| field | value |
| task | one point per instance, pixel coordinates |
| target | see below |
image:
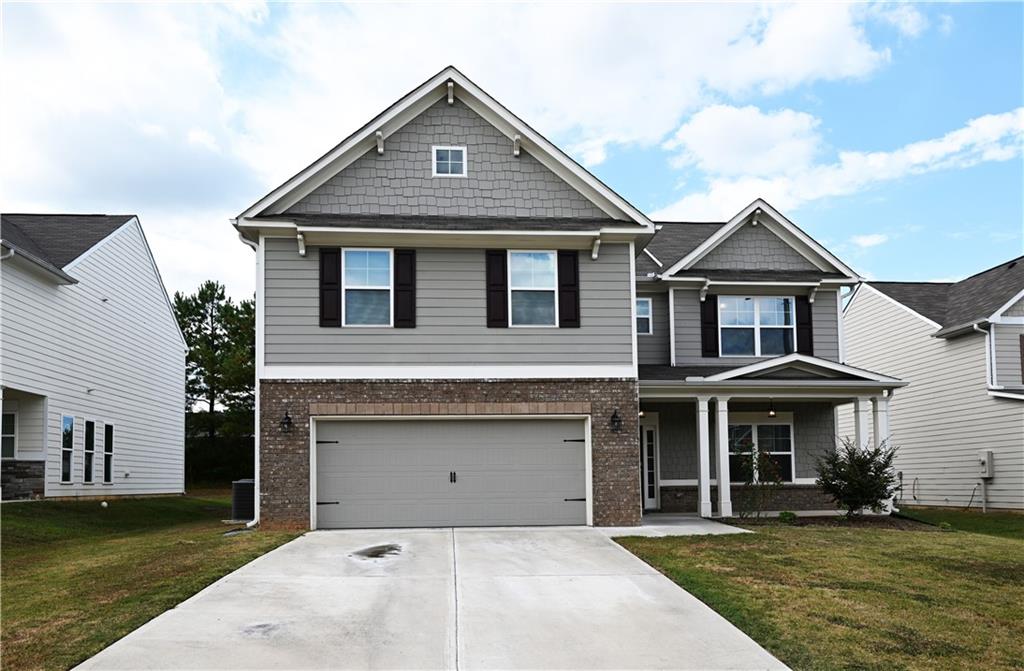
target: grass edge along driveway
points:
(77, 577)
(880, 596)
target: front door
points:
(649, 463)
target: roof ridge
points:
(995, 267)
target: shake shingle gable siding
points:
(754, 247)
(400, 182)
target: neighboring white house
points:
(92, 362)
(960, 347)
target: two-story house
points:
(92, 362)
(959, 426)
(448, 310)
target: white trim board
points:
(483, 372)
(587, 430)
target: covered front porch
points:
(708, 442)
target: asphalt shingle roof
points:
(58, 239)
(675, 240)
(958, 304)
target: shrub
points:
(858, 479)
(761, 479)
(787, 517)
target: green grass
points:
(77, 577)
(868, 596)
(1005, 524)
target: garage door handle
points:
(580, 499)
(328, 503)
(574, 440)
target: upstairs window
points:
(8, 435)
(366, 286)
(532, 288)
(67, 446)
(756, 325)
(90, 450)
(108, 453)
(449, 161)
(644, 323)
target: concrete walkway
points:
(566, 598)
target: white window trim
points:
(756, 326)
(103, 463)
(13, 457)
(508, 281)
(85, 450)
(650, 316)
(753, 423)
(433, 160)
(60, 462)
(390, 287)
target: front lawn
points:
(77, 577)
(863, 596)
(1006, 524)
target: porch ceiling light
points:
(616, 421)
(286, 423)
(771, 408)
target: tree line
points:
(220, 384)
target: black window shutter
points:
(804, 328)
(709, 326)
(569, 289)
(497, 288)
(330, 286)
(405, 288)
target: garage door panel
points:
(396, 473)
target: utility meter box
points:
(986, 466)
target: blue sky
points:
(891, 132)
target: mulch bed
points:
(840, 521)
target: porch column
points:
(860, 422)
(703, 457)
(880, 417)
(722, 444)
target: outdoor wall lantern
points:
(286, 423)
(616, 421)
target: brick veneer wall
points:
(789, 497)
(20, 479)
(284, 458)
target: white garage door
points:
(471, 472)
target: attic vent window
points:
(449, 161)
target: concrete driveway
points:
(565, 598)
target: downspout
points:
(9, 254)
(256, 409)
(990, 367)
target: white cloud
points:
(993, 137)
(727, 140)
(176, 111)
(869, 240)
(946, 24)
(902, 16)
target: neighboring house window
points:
(532, 288)
(644, 322)
(366, 284)
(746, 441)
(449, 161)
(108, 453)
(67, 444)
(8, 435)
(90, 450)
(756, 325)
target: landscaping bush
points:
(787, 517)
(858, 479)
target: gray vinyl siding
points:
(451, 316)
(824, 318)
(653, 348)
(1007, 341)
(1015, 310)
(813, 435)
(400, 181)
(754, 247)
(941, 420)
(107, 350)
